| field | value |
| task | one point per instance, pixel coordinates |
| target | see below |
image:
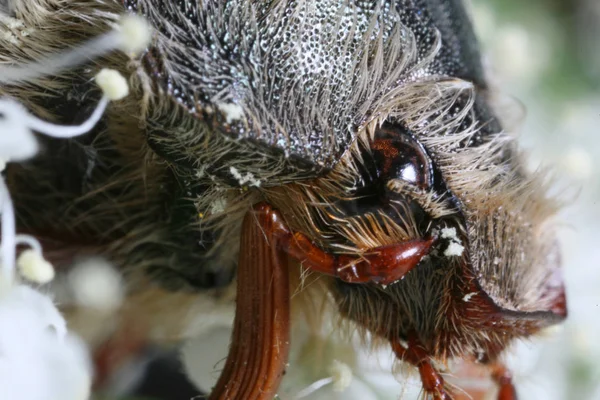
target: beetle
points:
(355, 140)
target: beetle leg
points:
(503, 378)
(384, 265)
(260, 340)
(415, 354)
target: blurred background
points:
(544, 57)
(546, 53)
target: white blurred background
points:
(546, 53)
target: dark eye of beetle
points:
(397, 155)
(394, 154)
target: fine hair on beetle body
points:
(364, 129)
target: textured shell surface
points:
(302, 76)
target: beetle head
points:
(452, 177)
(385, 107)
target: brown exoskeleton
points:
(353, 139)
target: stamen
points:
(132, 36)
(29, 241)
(313, 387)
(113, 84)
(17, 143)
(34, 267)
(8, 244)
(341, 378)
(341, 374)
(135, 34)
(59, 131)
(21, 144)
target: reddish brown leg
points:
(384, 265)
(260, 341)
(503, 378)
(415, 354)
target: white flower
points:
(39, 360)
(17, 142)
(34, 267)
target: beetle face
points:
(494, 248)
(379, 110)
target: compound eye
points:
(399, 155)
